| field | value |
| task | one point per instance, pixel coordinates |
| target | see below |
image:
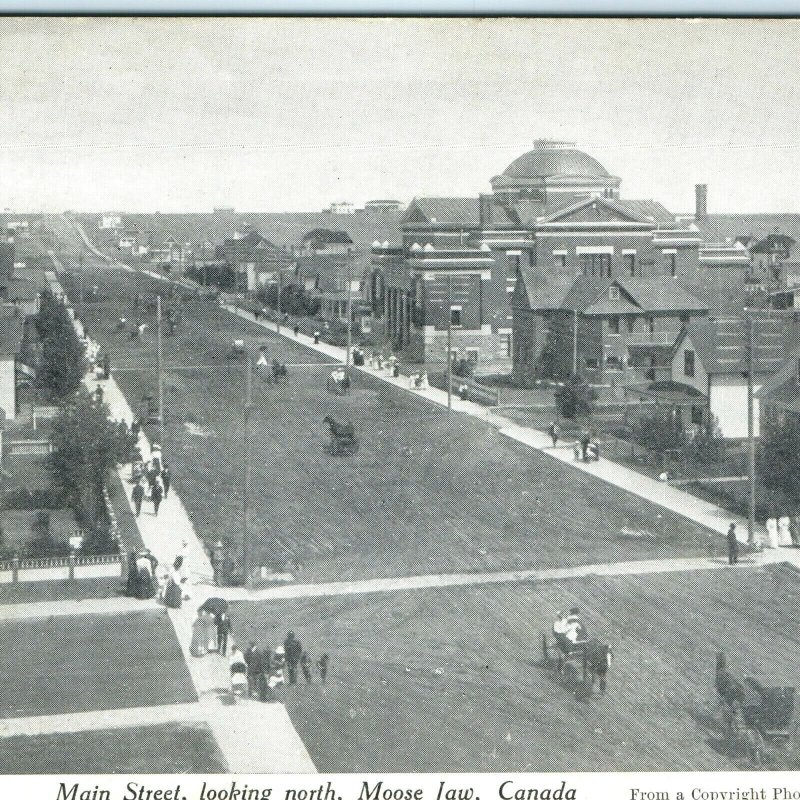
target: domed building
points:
(554, 173)
(550, 273)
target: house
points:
(170, 256)
(110, 222)
(12, 328)
(253, 260)
(708, 371)
(613, 331)
(779, 396)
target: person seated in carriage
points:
(576, 633)
(560, 629)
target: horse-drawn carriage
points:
(757, 715)
(578, 663)
(343, 438)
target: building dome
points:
(549, 159)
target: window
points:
(613, 292)
(455, 316)
(651, 325)
(688, 363)
(671, 263)
(697, 415)
(592, 363)
(595, 264)
(613, 325)
(505, 345)
(630, 263)
(613, 362)
(472, 354)
(631, 324)
(560, 261)
(513, 266)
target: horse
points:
(597, 658)
(343, 438)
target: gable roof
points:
(630, 212)
(721, 344)
(455, 211)
(721, 227)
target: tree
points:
(575, 398)
(707, 446)
(779, 462)
(63, 363)
(86, 445)
(659, 431)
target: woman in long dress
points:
(199, 645)
(211, 633)
(772, 533)
(784, 532)
(173, 594)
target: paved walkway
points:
(71, 608)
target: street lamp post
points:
(449, 341)
(751, 439)
(160, 367)
(349, 308)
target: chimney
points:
(484, 210)
(700, 201)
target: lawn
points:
(60, 665)
(451, 680)
(426, 492)
(160, 749)
(52, 591)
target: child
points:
(276, 676)
(305, 665)
(322, 665)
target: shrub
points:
(575, 398)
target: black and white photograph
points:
(398, 395)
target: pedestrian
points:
(166, 478)
(555, 432)
(576, 450)
(156, 494)
(252, 657)
(322, 666)
(173, 594)
(264, 670)
(784, 531)
(772, 533)
(296, 330)
(305, 665)
(277, 665)
(199, 645)
(138, 495)
(733, 545)
(794, 531)
(223, 629)
(293, 650)
(238, 669)
(136, 428)
(463, 392)
(316, 337)
(586, 440)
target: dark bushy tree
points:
(707, 447)
(63, 363)
(779, 461)
(659, 431)
(86, 445)
(575, 398)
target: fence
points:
(29, 447)
(476, 392)
(71, 567)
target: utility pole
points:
(751, 439)
(160, 366)
(248, 472)
(80, 285)
(349, 308)
(575, 341)
(280, 286)
(449, 341)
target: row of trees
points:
(62, 363)
(295, 300)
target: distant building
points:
(110, 222)
(11, 337)
(342, 208)
(254, 260)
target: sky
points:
(148, 114)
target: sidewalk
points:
(167, 535)
(713, 517)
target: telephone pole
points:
(349, 308)
(80, 285)
(449, 341)
(575, 341)
(248, 472)
(751, 439)
(280, 286)
(160, 366)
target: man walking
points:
(733, 545)
(138, 496)
(585, 442)
(223, 629)
(555, 432)
(322, 665)
(293, 650)
(166, 477)
(156, 494)
(252, 657)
